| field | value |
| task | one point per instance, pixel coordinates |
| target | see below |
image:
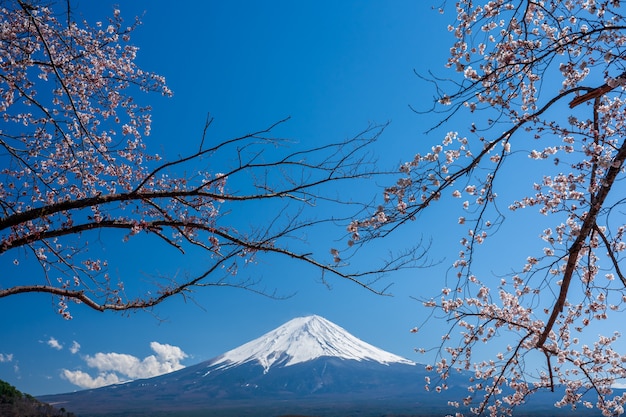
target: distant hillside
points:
(15, 404)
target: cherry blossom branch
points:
(394, 221)
(587, 227)
(78, 165)
(510, 58)
(201, 152)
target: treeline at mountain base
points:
(13, 403)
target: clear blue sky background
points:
(334, 67)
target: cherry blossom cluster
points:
(73, 150)
(582, 371)
(543, 80)
(85, 136)
(71, 129)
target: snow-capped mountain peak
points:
(303, 339)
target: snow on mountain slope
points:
(303, 339)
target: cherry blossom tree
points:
(75, 163)
(538, 89)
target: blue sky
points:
(334, 67)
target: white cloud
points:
(118, 367)
(54, 344)
(75, 347)
(84, 380)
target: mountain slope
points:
(326, 386)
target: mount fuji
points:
(301, 340)
(308, 366)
